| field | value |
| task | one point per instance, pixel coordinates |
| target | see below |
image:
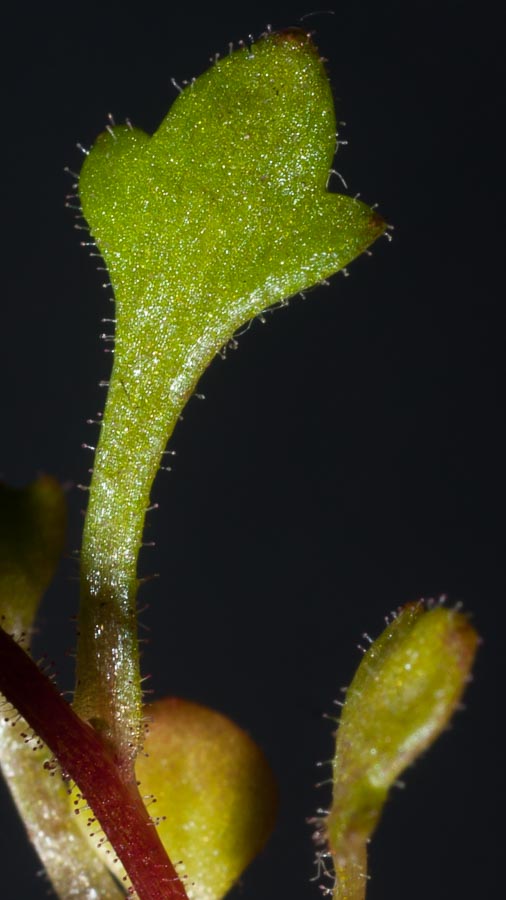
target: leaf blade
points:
(402, 696)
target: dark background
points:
(348, 457)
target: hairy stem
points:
(350, 867)
(139, 417)
(86, 758)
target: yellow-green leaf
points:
(402, 696)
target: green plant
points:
(221, 214)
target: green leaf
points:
(402, 696)
(32, 534)
(222, 213)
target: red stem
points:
(111, 793)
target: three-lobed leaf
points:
(221, 213)
(225, 209)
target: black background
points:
(348, 457)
